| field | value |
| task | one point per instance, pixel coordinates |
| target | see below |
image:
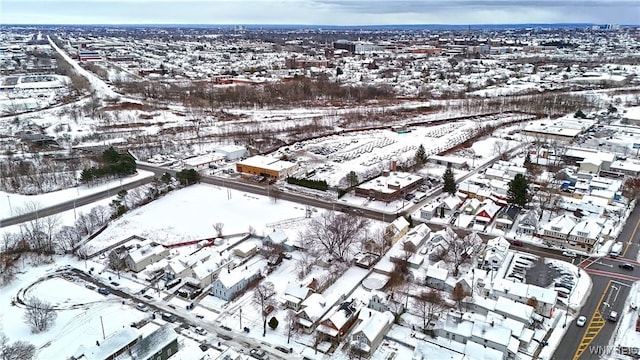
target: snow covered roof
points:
(391, 183)
(109, 346)
(513, 309)
(268, 163)
(562, 224)
(451, 202)
(314, 306)
(151, 344)
(490, 208)
(229, 279)
(437, 273)
(587, 228)
(400, 224)
(373, 323)
(297, 290)
(278, 236)
(475, 351)
(491, 332)
(146, 251)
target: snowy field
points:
(190, 213)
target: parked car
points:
(613, 316)
(569, 254)
(104, 291)
(142, 307)
(625, 266)
(168, 317)
(517, 243)
(284, 349)
(200, 331)
(286, 256)
(581, 320)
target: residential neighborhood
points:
(240, 192)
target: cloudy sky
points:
(318, 12)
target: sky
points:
(319, 12)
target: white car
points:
(569, 254)
(581, 320)
(142, 307)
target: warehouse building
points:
(268, 167)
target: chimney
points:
(394, 165)
(369, 313)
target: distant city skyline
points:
(319, 12)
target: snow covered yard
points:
(190, 213)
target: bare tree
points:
(263, 297)
(19, 350)
(336, 233)
(67, 239)
(39, 314)
(50, 225)
(218, 228)
(292, 323)
(631, 189)
(429, 303)
(458, 294)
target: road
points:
(72, 204)
(610, 289)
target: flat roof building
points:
(390, 186)
(266, 166)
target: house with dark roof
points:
(507, 216)
(338, 321)
(159, 345)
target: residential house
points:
(558, 229)
(487, 212)
(436, 277)
(145, 254)
(448, 206)
(159, 345)
(115, 344)
(397, 229)
(279, 237)
(204, 273)
(491, 339)
(311, 309)
(229, 283)
(339, 320)
(584, 235)
(471, 206)
(507, 217)
(415, 238)
(368, 335)
(430, 210)
(382, 302)
(245, 249)
(494, 253)
(294, 295)
(545, 298)
(528, 224)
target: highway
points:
(610, 289)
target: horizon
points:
(351, 13)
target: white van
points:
(419, 197)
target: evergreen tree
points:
(527, 162)
(518, 191)
(421, 156)
(352, 178)
(449, 181)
